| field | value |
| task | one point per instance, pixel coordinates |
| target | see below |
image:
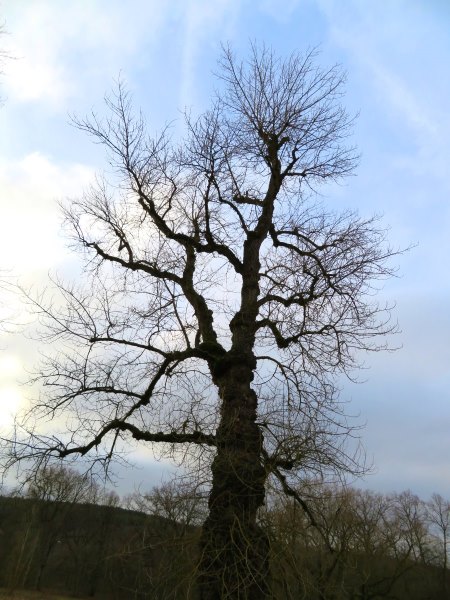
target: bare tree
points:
(181, 503)
(58, 484)
(55, 489)
(51, 495)
(438, 516)
(223, 300)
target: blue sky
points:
(68, 54)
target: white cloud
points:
(10, 401)
(10, 396)
(10, 366)
(30, 244)
(35, 77)
(37, 72)
(63, 48)
(29, 223)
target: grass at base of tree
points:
(33, 595)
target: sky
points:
(66, 55)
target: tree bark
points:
(234, 550)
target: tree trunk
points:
(234, 560)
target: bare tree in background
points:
(438, 516)
(222, 301)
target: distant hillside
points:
(88, 550)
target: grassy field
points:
(29, 595)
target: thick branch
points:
(196, 437)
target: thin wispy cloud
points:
(204, 27)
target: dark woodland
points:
(63, 535)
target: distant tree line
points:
(360, 545)
(62, 532)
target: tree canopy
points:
(222, 300)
